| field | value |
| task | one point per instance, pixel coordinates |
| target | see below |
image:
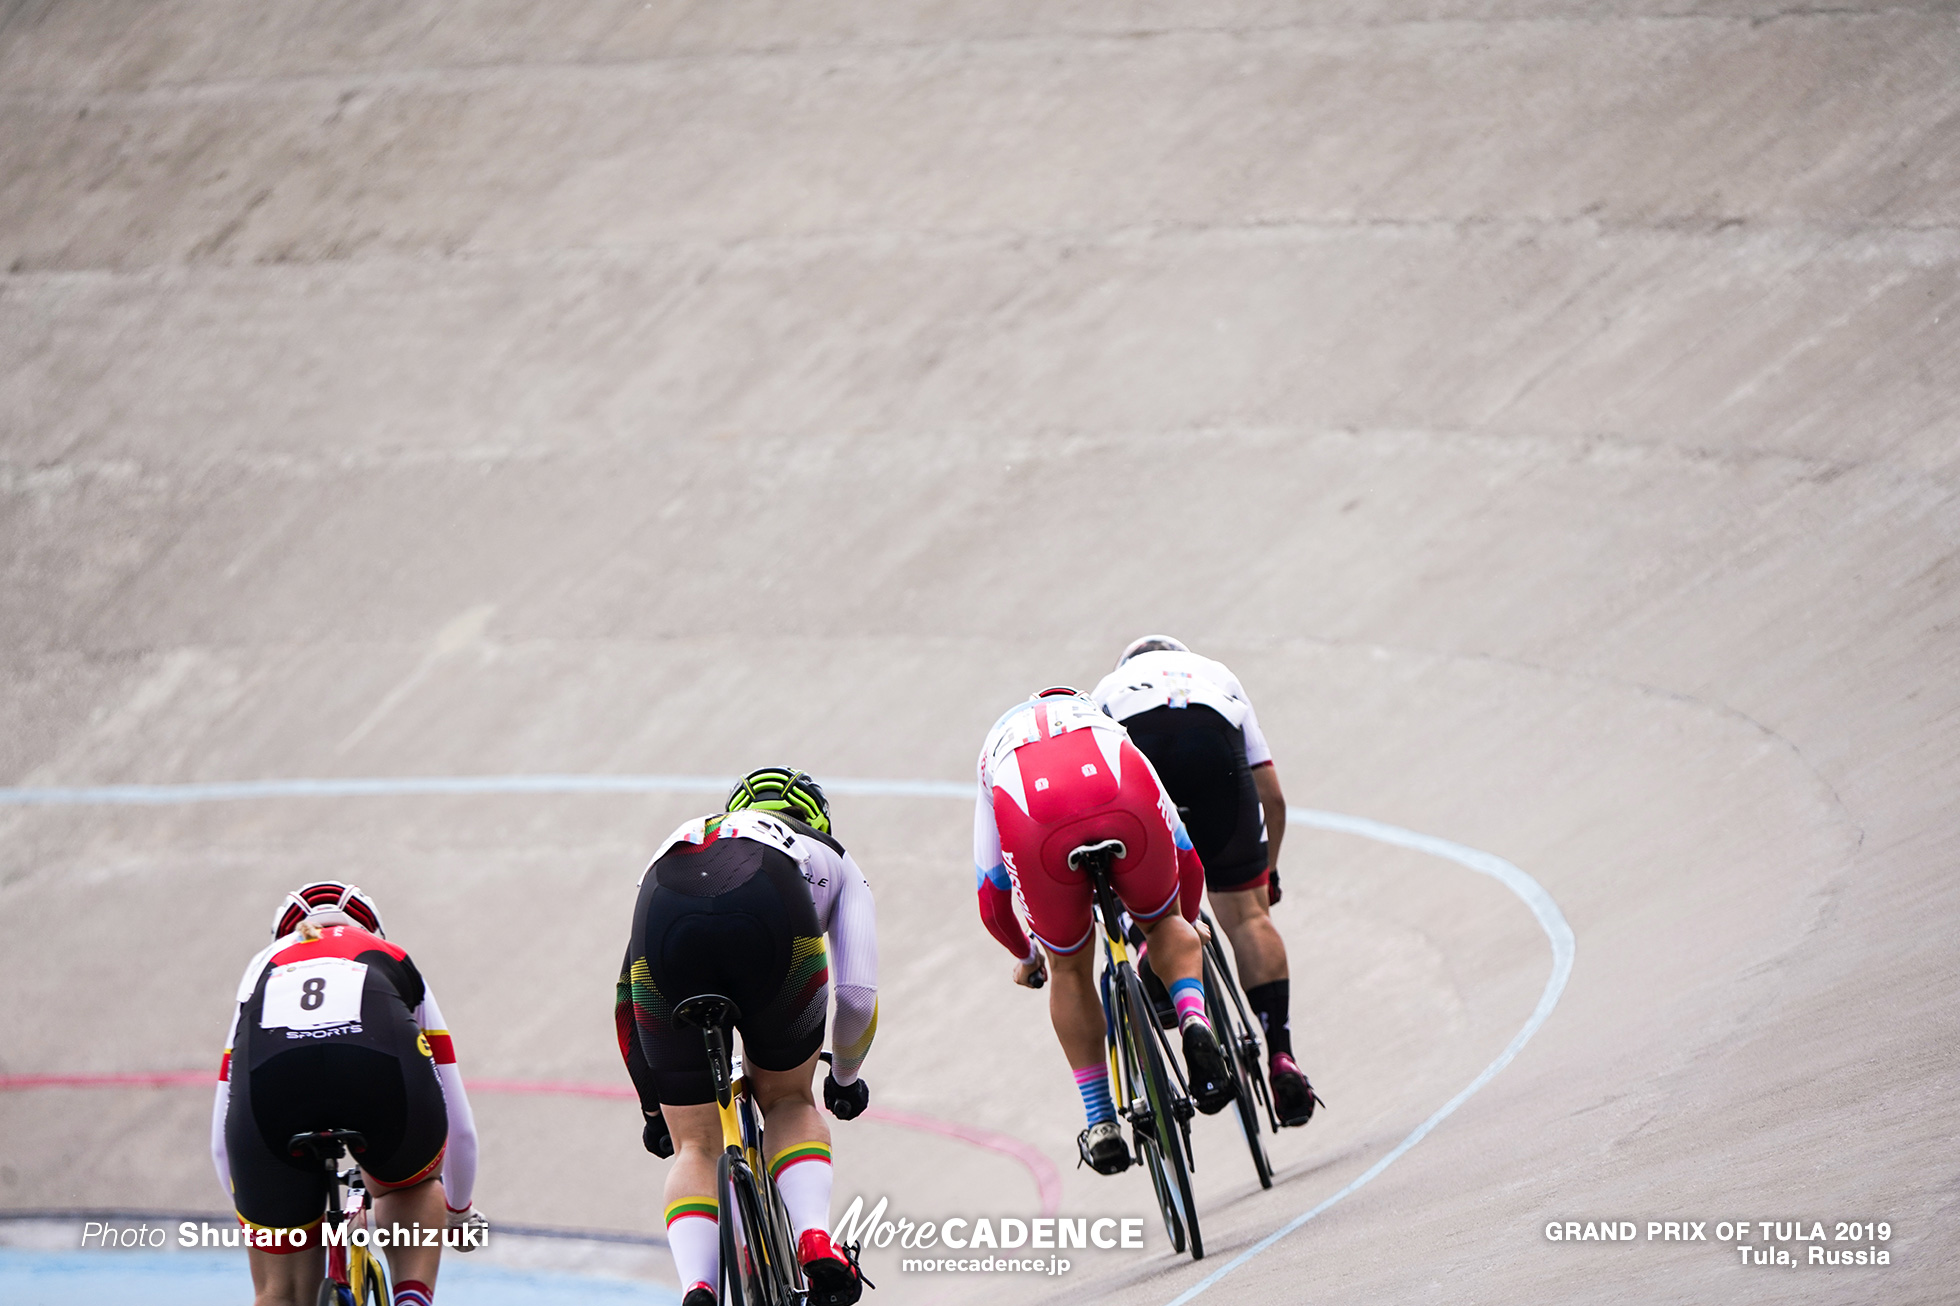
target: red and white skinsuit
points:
(1057, 773)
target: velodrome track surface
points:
(1548, 410)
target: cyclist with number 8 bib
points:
(1057, 773)
(335, 1028)
(738, 904)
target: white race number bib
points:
(314, 994)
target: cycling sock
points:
(694, 1237)
(1093, 1083)
(802, 1175)
(413, 1292)
(1269, 1001)
(1189, 997)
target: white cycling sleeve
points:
(1256, 751)
(854, 972)
(459, 1162)
(986, 837)
(219, 1106)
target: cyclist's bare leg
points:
(799, 1142)
(1247, 919)
(690, 1195)
(788, 1105)
(1075, 1008)
(696, 1131)
(289, 1280)
(409, 1207)
(1174, 948)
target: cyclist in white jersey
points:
(1191, 718)
(738, 904)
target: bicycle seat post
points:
(327, 1146)
(1093, 860)
(713, 1015)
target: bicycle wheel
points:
(333, 1294)
(1251, 1030)
(1165, 1135)
(780, 1242)
(752, 1272)
(1242, 1055)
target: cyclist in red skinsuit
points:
(1056, 773)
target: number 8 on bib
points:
(314, 994)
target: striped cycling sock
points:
(802, 1175)
(694, 1238)
(1189, 995)
(1093, 1083)
(413, 1292)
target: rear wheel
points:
(753, 1271)
(1242, 1054)
(1162, 1137)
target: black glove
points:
(655, 1136)
(1272, 887)
(846, 1101)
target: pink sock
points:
(1189, 995)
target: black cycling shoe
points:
(1293, 1097)
(1212, 1085)
(699, 1295)
(1103, 1148)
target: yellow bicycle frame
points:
(1119, 951)
(361, 1268)
(731, 1124)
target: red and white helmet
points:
(326, 902)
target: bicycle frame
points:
(1159, 1119)
(758, 1266)
(355, 1276)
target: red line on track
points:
(1047, 1180)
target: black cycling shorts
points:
(383, 1084)
(1200, 757)
(732, 917)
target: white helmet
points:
(326, 902)
(1152, 644)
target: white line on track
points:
(1550, 919)
(1528, 890)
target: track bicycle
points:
(1233, 1023)
(356, 1276)
(1145, 1079)
(758, 1255)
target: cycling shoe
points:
(834, 1279)
(1212, 1086)
(1293, 1097)
(1103, 1148)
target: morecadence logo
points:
(982, 1237)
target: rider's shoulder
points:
(809, 832)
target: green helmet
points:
(782, 789)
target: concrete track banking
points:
(1547, 408)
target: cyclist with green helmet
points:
(740, 903)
